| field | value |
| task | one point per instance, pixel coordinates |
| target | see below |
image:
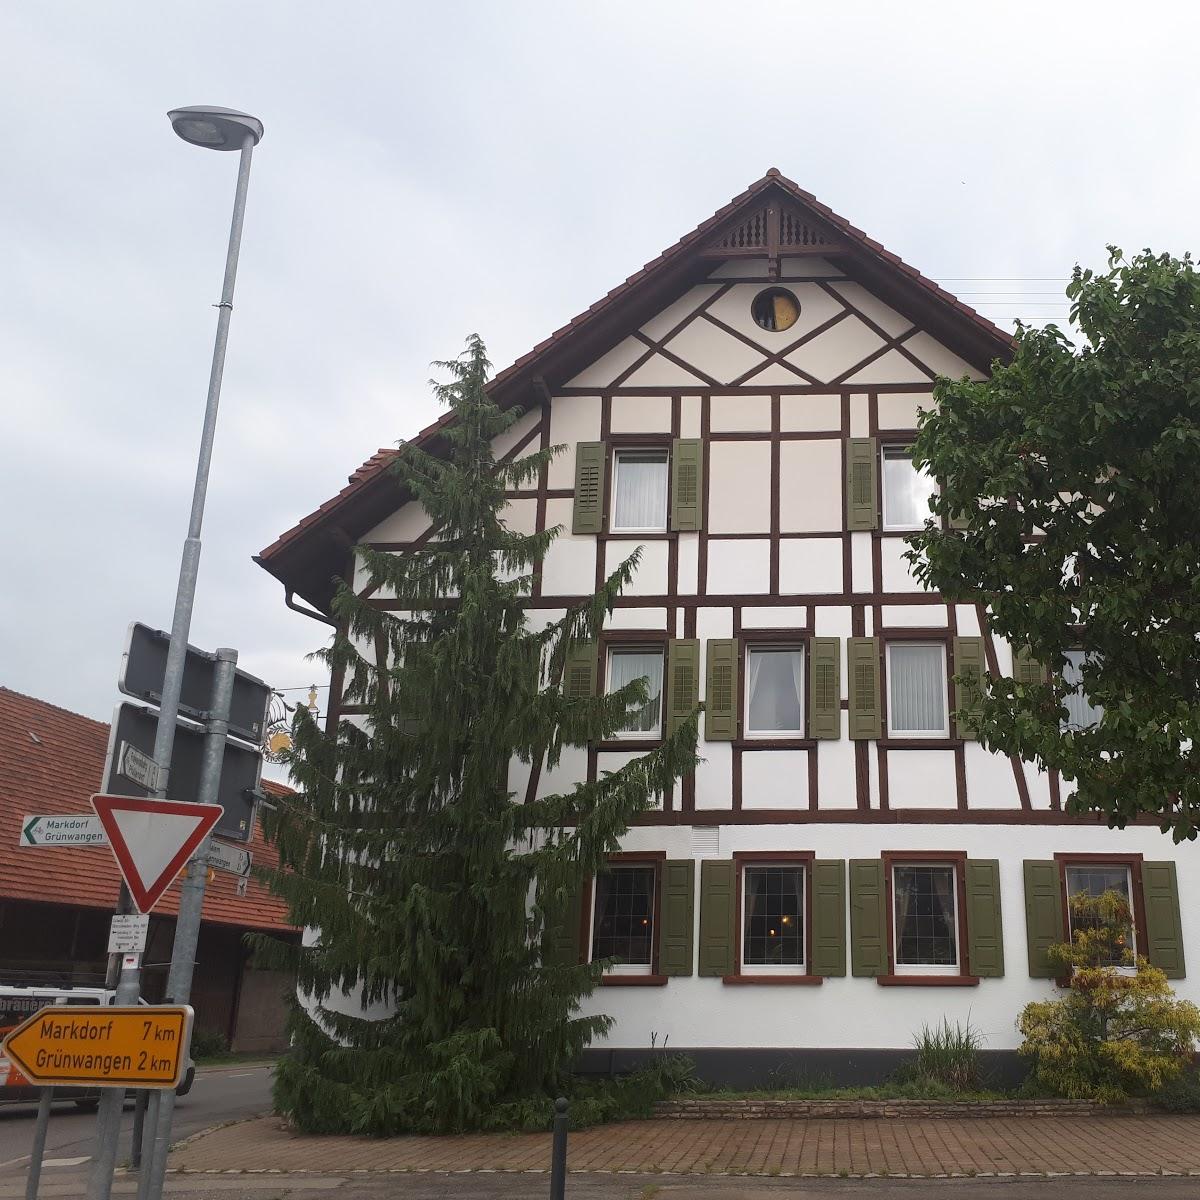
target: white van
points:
(17, 1004)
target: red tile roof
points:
(52, 761)
(865, 246)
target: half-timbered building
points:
(847, 863)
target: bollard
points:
(558, 1153)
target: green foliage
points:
(434, 887)
(903, 1086)
(948, 1055)
(1076, 471)
(1181, 1095)
(1118, 1031)
(208, 1043)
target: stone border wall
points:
(750, 1109)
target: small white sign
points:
(229, 858)
(140, 768)
(127, 933)
(67, 829)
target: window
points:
(773, 920)
(639, 491)
(627, 663)
(774, 691)
(1094, 880)
(906, 491)
(623, 918)
(1081, 712)
(917, 690)
(925, 903)
(775, 309)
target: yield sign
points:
(152, 839)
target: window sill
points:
(646, 743)
(892, 742)
(927, 980)
(774, 743)
(633, 980)
(801, 980)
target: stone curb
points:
(726, 1110)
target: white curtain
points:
(906, 491)
(641, 490)
(628, 665)
(917, 689)
(775, 683)
(1081, 712)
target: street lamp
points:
(214, 129)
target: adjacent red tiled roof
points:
(52, 761)
(866, 246)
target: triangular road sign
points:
(152, 840)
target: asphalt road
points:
(219, 1094)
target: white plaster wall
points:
(614, 760)
(605, 369)
(662, 323)
(739, 567)
(835, 765)
(689, 416)
(862, 571)
(816, 307)
(833, 620)
(650, 578)
(520, 515)
(779, 617)
(901, 410)
(714, 776)
(891, 367)
(739, 487)
(968, 620)
(741, 268)
(810, 414)
(860, 416)
(888, 319)
(809, 565)
(688, 560)
(810, 486)
(404, 525)
(507, 440)
(637, 618)
(774, 779)
(914, 616)
(713, 351)
(569, 568)
(835, 351)
(641, 414)
(570, 770)
(712, 623)
(990, 780)
(896, 574)
(800, 264)
(921, 779)
(572, 419)
(854, 1012)
(938, 359)
(738, 414)
(660, 371)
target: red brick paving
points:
(1143, 1145)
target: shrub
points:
(1118, 1031)
(208, 1043)
(948, 1055)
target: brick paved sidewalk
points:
(1109, 1145)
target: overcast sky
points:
(429, 170)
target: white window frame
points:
(926, 968)
(627, 968)
(768, 734)
(800, 968)
(1097, 709)
(1068, 867)
(618, 454)
(894, 450)
(944, 731)
(638, 735)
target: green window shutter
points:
(717, 897)
(687, 483)
(683, 681)
(862, 483)
(588, 516)
(868, 917)
(969, 663)
(563, 924)
(825, 688)
(1164, 932)
(985, 932)
(579, 671)
(1043, 916)
(677, 910)
(862, 666)
(721, 690)
(1026, 668)
(828, 921)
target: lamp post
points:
(214, 129)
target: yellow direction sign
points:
(140, 1046)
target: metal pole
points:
(558, 1153)
(139, 1125)
(191, 903)
(108, 1127)
(40, 1131)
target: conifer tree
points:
(435, 891)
